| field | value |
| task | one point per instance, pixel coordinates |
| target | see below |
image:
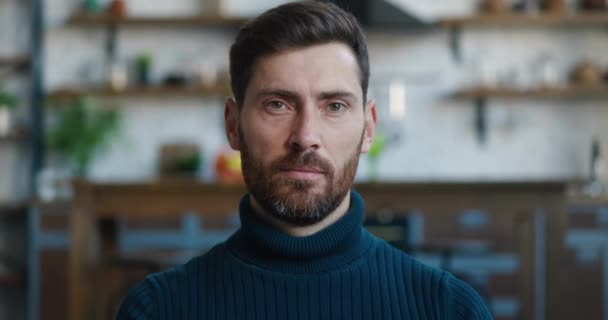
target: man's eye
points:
(335, 107)
(277, 105)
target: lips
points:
(305, 170)
(303, 173)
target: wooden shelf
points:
(11, 280)
(15, 136)
(220, 90)
(583, 19)
(15, 61)
(481, 95)
(13, 208)
(599, 91)
(92, 20)
(590, 19)
(578, 199)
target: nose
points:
(305, 132)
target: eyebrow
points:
(285, 94)
(293, 96)
(337, 94)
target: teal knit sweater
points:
(341, 272)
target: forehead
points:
(312, 69)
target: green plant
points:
(7, 100)
(378, 145)
(143, 61)
(82, 131)
(188, 164)
(91, 6)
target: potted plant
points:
(181, 160)
(143, 63)
(8, 103)
(80, 132)
(91, 6)
(378, 145)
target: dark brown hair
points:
(296, 24)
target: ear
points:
(231, 123)
(371, 120)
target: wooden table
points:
(97, 203)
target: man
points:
(300, 118)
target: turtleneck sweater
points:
(340, 272)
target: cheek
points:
(264, 140)
(343, 143)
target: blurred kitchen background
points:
(491, 159)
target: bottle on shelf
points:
(7, 104)
(118, 8)
(118, 78)
(599, 171)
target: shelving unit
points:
(598, 19)
(584, 19)
(220, 90)
(36, 145)
(589, 19)
(15, 272)
(10, 279)
(12, 207)
(95, 202)
(14, 61)
(578, 92)
(100, 20)
(15, 136)
(481, 95)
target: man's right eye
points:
(277, 105)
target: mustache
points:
(309, 159)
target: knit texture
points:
(341, 272)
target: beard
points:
(295, 201)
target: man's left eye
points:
(335, 107)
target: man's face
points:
(301, 130)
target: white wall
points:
(14, 37)
(541, 139)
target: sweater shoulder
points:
(461, 301)
(140, 303)
(162, 292)
(175, 281)
(444, 296)
(148, 299)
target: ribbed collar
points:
(333, 247)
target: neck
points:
(301, 231)
(339, 244)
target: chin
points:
(291, 185)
